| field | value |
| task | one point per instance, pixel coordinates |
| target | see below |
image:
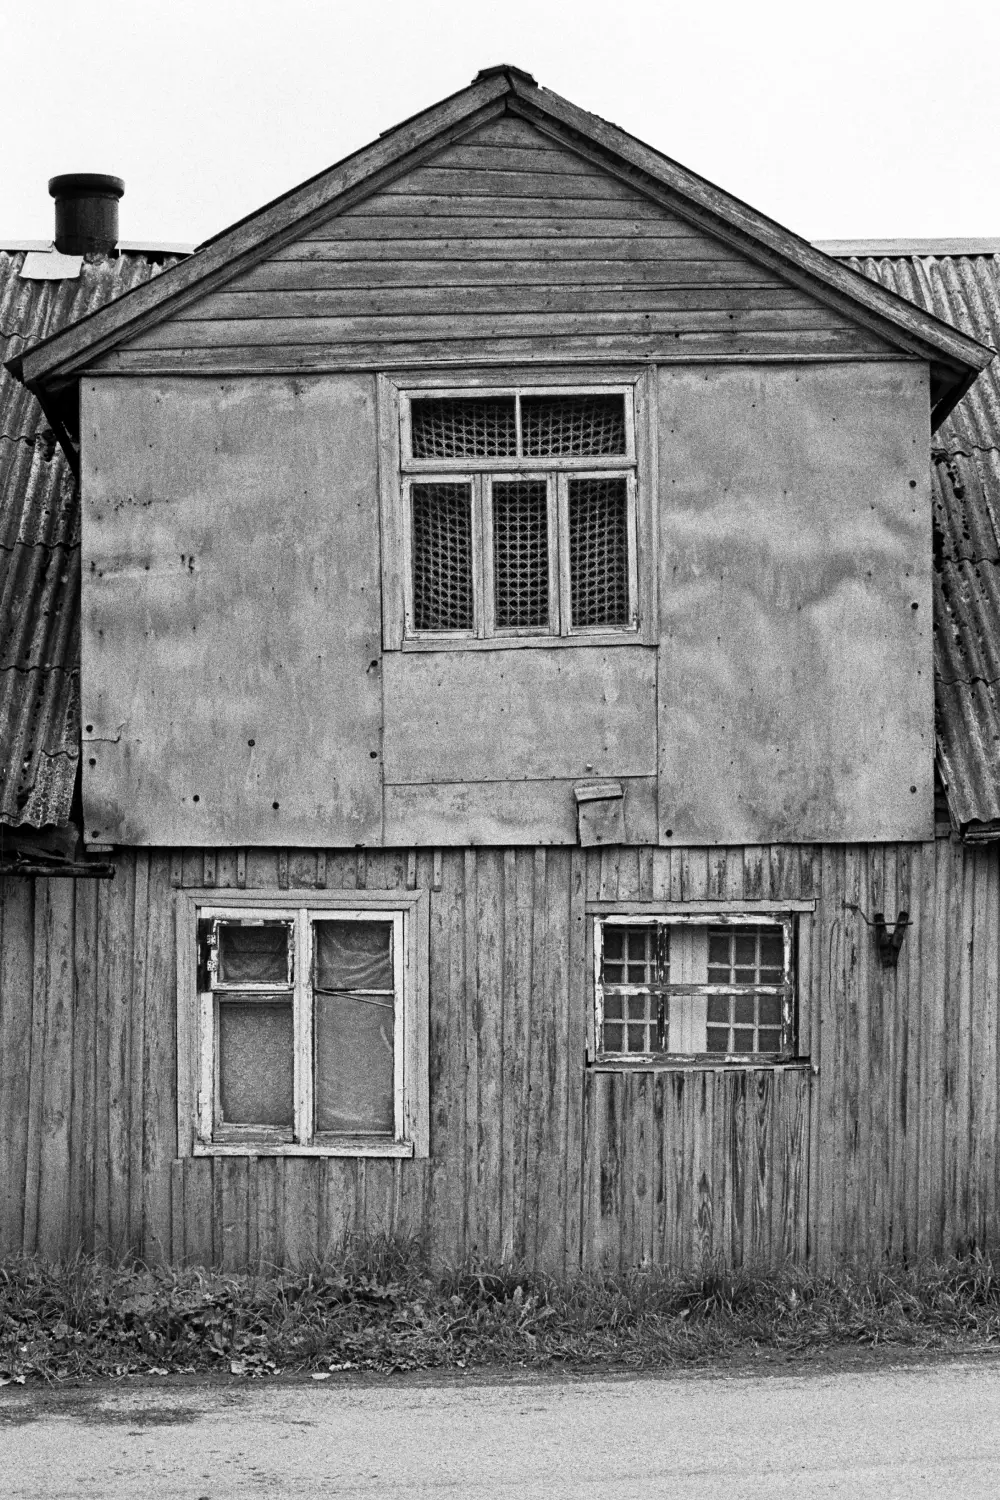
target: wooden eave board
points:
(375, 168)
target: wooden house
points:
(507, 734)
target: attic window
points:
(536, 533)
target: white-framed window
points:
(519, 511)
(303, 1024)
(706, 986)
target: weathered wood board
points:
(888, 1147)
(231, 612)
(508, 244)
(796, 682)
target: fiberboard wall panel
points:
(795, 679)
(231, 611)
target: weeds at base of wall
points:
(378, 1306)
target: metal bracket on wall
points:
(889, 940)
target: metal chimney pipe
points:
(86, 212)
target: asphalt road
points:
(932, 1432)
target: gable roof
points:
(959, 280)
(955, 358)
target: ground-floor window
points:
(307, 1023)
(718, 987)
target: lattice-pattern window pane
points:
(634, 964)
(573, 426)
(463, 427)
(598, 551)
(442, 556)
(520, 553)
(748, 1022)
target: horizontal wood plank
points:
(483, 239)
(443, 301)
(539, 157)
(512, 210)
(319, 273)
(464, 182)
(508, 130)
(471, 220)
(589, 349)
(230, 333)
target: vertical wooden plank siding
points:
(887, 1142)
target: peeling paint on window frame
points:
(703, 916)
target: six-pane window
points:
(520, 509)
(691, 987)
(748, 1017)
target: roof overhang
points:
(955, 359)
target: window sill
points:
(603, 638)
(371, 1147)
(705, 1065)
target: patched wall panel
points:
(795, 682)
(544, 713)
(231, 611)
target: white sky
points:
(839, 120)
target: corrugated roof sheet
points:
(964, 289)
(40, 547)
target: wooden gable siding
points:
(507, 247)
(890, 1148)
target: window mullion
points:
(599, 985)
(400, 980)
(407, 519)
(661, 970)
(479, 578)
(565, 601)
(208, 1083)
(303, 1029)
(552, 522)
(485, 578)
(787, 1002)
(633, 570)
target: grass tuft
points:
(379, 1305)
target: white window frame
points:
(784, 917)
(398, 471)
(200, 1133)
